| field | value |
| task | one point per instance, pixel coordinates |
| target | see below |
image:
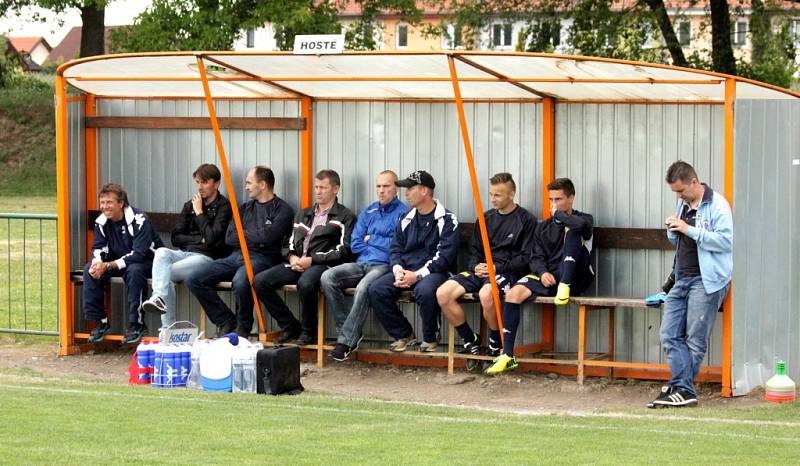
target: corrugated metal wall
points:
(766, 298)
(358, 140)
(617, 156)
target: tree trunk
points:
(722, 59)
(667, 31)
(93, 31)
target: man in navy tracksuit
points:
(124, 245)
(371, 239)
(560, 265)
(422, 255)
(320, 239)
(266, 220)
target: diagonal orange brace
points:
(237, 219)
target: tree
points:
(667, 31)
(722, 58)
(773, 51)
(92, 16)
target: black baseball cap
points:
(418, 177)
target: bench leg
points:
(451, 349)
(611, 337)
(321, 330)
(203, 324)
(581, 342)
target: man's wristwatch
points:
(418, 276)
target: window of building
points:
(501, 35)
(795, 29)
(452, 37)
(402, 36)
(684, 33)
(251, 38)
(739, 33)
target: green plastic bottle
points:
(780, 387)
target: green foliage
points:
(361, 33)
(773, 56)
(303, 17)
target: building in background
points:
(32, 51)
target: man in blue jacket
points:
(266, 220)
(371, 238)
(124, 245)
(423, 256)
(702, 231)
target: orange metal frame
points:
(66, 313)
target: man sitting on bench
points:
(124, 244)
(561, 256)
(423, 255)
(200, 235)
(510, 229)
(266, 220)
(321, 239)
(371, 238)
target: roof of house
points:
(26, 44)
(70, 46)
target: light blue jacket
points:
(378, 222)
(713, 233)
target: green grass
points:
(61, 422)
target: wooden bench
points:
(604, 237)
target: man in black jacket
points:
(266, 219)
(321, 239)
(422, 255)
(124, 243)
(510, 228)
(561, 256)
(200, 235)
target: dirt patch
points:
(515, 392)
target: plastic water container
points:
(145, 354)
(185, 363)
(216, 374)
(244, 370)
(193, 380)
(170, 365)
(780, 387)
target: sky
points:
(117, 12)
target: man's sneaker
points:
(134, 334)
(340, 352)
(502, 363)
(99, 332)
(155, 305)
(428, 347)
(402, 344)
(305, 338)
(676, 398)
(244, 331)
(288, 334)
(226, 328)
(562, 295)
(666, 391)
(491, 352)
(474, 349)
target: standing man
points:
(702, 231)
(510, 229)
(200, 235)
(124, 245)
(266, 220)
(423, 255)
(321, 239)
(371, 238)
(560, 265)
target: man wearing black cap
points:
(422, 256)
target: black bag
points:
(278, 370)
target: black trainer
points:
(675, 398)
(305, 338)
(340, 352)
(99, 332)
(493, 353)
(226, 328)
(134, 334)
(288, 334)
(243, 331)
(666, 391)
(474, 349)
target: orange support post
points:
(548, 175)
(476, 193)
(306, 154)
(66, 337)
(727, 305)
(237, 219)
(90, 167)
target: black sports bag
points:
(278, 370)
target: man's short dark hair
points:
(116, 190)
(264, 174)
(503, 177)
(682, 171)
(562, 184)
(329, 175)
(207, 171)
